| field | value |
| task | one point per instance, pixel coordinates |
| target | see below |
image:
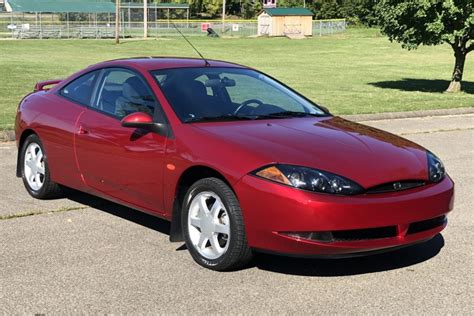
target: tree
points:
(250, 8)
(431, 22)
(354, 11)
(212, 7)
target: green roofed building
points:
(82, 18)
(60, 6)
(288, 12)
(291, 22)
(84, 6)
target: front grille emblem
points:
(397, 186)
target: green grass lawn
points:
(359, 71)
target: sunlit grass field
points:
(359, 71)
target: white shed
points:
(285, 22)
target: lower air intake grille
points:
(364, 234)
(346, 235)
(418, 227)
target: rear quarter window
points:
(80, 89)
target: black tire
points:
(238, 252)
(49, 189)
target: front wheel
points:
(35, 170)
(213, 226)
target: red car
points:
(236, 160)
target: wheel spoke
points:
(203, 205)
(222, 229)
(31, 164)
(38, 178)
(39, 156)
(216, 207)
(196, 222)
(32, 177)
(202, 241)
(33, 152)
(216, 248)
(40, 169)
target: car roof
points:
(156, 63)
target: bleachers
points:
(38, 32)
(94, 32)
(82, 32)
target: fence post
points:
(41, 25)
(145, 19)
(122, 29)
(11, 25)
(320, 28)
(67, 19)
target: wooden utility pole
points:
(223, 16)
(117, 21)
(145, 18)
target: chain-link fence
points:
(195, 28)
(21, 28)
(326, 27)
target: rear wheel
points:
(213, 226)
(35, 170)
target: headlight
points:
(309, 179)
(435, 168)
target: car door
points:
(119, 162)
(64, 107)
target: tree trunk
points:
(455, 85)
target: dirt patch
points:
(7, 136)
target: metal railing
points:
(61, 29)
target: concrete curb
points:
(411, 114)
(8, 135)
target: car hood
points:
(361, 153)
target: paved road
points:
(83, 254)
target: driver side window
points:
(122, 92)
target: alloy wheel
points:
(34, 166)
(209, 225)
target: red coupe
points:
(236, 160)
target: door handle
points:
(82, 131)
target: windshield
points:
(205, 94)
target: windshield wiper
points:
(233, 117)
(228, 117)
(285, 114)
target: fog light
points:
(315, 236)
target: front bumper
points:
(274, 216)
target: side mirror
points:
(137, 120)
(145, 121)
(325, 109)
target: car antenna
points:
(195, 49)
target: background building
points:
(285, 22)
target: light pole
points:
(117, 21)
(223, 16)
(145, 18)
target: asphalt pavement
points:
(85, 255)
